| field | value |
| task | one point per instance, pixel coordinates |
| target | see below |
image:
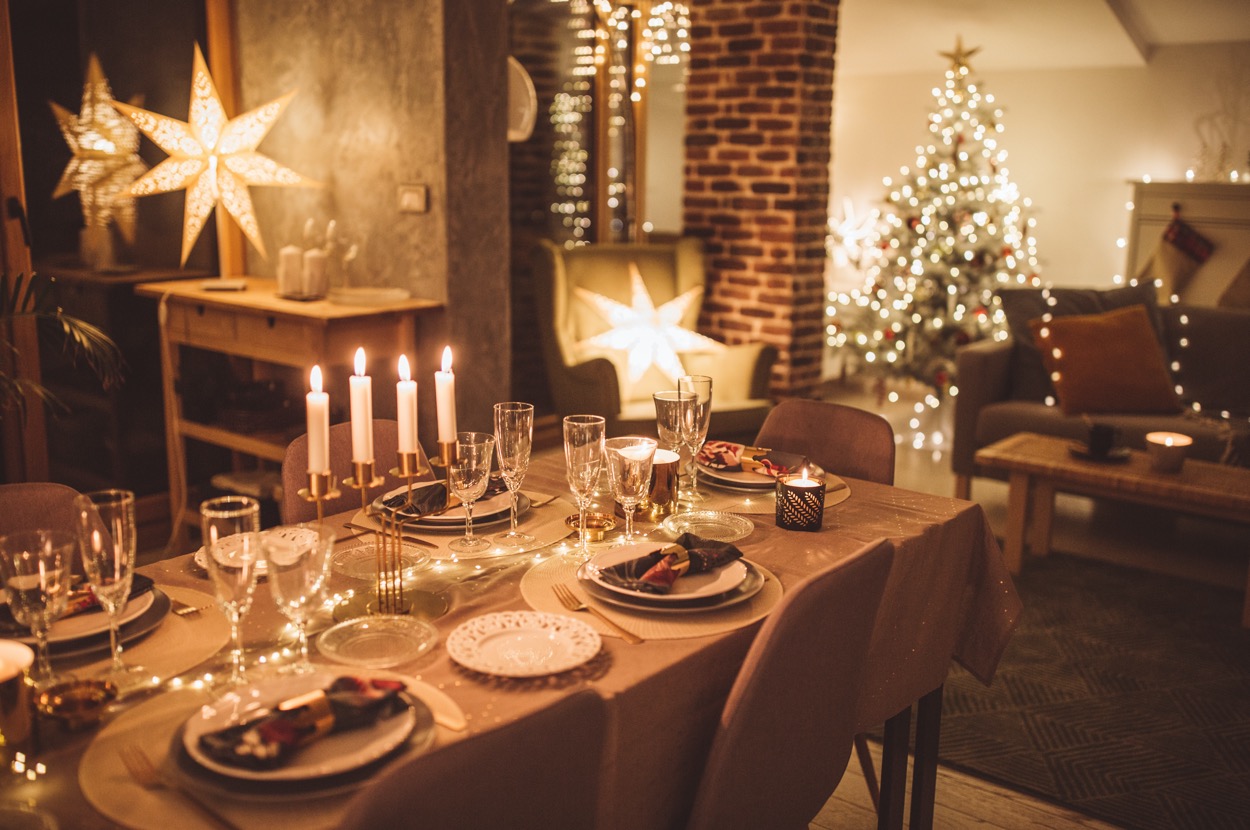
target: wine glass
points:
(629, 471)
(514, 435)
(105, 522)
(469, 473)
(35, 566)
(674, 423)
(583, 460)
(297, 562)
(231, 527)
(701, 387)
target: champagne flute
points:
(674, 422)
(701, 387)
(629, 471)
(35, 566)
(231, 528)
(469, 474)
(297, 562)
(514, 436)
(108, 557)
(583, 460)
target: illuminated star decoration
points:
(105, 158)
(649, 336)
(848, 236)
(960, 56)
(213, 158)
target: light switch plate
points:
(413, 198)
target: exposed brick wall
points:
(759, 109)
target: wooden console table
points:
(1038, 466)
(260, 326)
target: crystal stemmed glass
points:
(583, 460)
(629, 471)
(231, 527)
(674, 423)
(701, 387)
(514, 435)
(469, 474)
(35, 566)
(105, 521)
(297, 562)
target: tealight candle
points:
(1167, 451)
(445, 400)
(318, 414)
(361, 388)
(800, 501)
(406, 407)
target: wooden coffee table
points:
(1038, 466)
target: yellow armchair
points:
(594, 315)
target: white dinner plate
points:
(750, 586)
(744, 479)
(486, 511)
(523, 643)
(88, 624)
(331, 754)
(689, 587)
(200, 557)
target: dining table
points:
(949, 596)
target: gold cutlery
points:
(146, 775)
(544, 500)
(182, 609)
(570, 601)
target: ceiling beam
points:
(1127, 15)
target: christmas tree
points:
(954, 232)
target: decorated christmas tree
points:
(954, 232)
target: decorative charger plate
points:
(332, 754)
(709, 524)
(716, 583)
(486, 511)
(523, 643)
(135, 628)
(750, 586)
(378, 641)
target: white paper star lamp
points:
(213, 158)
(105, 156)
(649, 336)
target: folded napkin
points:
(736, 458)
(81, 601)
(655, 572)
(430, 498)
(270, 739)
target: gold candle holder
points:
(389, 590)
(321, 488)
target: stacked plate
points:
(737, 478)
(87, 632)
(338, 760)
(489, 510)
(724, 587)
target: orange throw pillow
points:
(1109, 362)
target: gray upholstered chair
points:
(595, 380)
(36, 505)
(843, 440)
(785, 735)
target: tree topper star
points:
(960, 56)
(213, 158)
(648, 335)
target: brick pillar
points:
(759, 108)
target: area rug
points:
(1123, 694)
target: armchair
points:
(594, 378)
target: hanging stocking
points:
(1181, 252)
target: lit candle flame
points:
(447, 359)
(360, 362)
(314, 379)
(404, 372)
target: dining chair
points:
(846, 441)
(539, 772)
(32, 505)
(295, 470)
(786, 732)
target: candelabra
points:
(321, 488)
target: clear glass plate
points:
(709, 524)
(378, 641)
(361, 562)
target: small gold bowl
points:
(597, 525)
(76, 704)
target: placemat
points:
(765, 501)
(537, 583)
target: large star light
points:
(213, 158)
(649, 336)
(105, 157)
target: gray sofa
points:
(1003, 386)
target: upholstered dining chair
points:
(846, 441)
(35, 505)
(295, 470)
(595, 379)
(785, 735)
(537, 773)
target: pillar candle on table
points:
(1167, 450)
(406, 407)
(361, 387)
(318, 413)
(313, 280)
(445, 399)
(290, 270)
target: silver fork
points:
(146, 775)
(570, 601)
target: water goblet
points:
(674, 423)
(231, 528)
(297, 562)
(514, 435)
(629, 471)
(469, 474)
(35, 567)
(105, 521)
(701, 387)
(583, 461)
